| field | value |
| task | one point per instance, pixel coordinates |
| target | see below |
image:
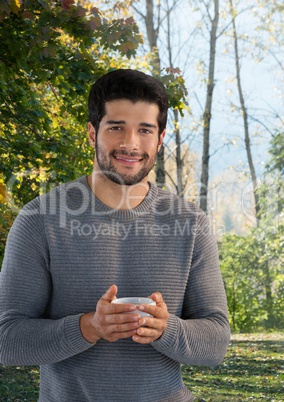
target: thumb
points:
(110, 294)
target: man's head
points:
(130, 85)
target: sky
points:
(262, 82)
(262, 86)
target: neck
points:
(117, 196)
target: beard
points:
(111, 172)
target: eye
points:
(145, 131)
(115, 128)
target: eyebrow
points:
(115, 122)
(148, 125)
(142, 124)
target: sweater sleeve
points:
(26, 336)
(201, 336)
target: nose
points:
(130, 140)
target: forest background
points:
(222, 64)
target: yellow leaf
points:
(15, 6)
(2, 193)
(33, 186)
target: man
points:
(114, 234)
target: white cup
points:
(136, 301)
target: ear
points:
(161, 138)
(92, 135)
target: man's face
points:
(127, 141)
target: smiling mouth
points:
(129, 159)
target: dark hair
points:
(127, 84)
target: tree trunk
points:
(179, 163)
(208, 108)
(152, 35)
(178, 158)
(245, 118)
(270, 321)
(160, 168)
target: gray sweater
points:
(63, 252)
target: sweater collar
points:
(80, 188)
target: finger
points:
(145, 335)
(121, 328)
(155, 311)
(121, 318)
(110, 294)
(151, 324)
(122, 331)
(122, 308)
(157, 297)
(120, 335)
(147, 332)
(116, 313)
(142, 340)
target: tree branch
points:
(172, 181)
(260, 122)
(138, 12)
(207, 11)
(229, 23)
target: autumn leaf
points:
(66, 4)
(94, 11)
(94, 23)
(129, 21)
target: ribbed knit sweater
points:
(63, 252)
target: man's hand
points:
(109, 321)
(150, 328)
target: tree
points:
(152, 35)
(51, 52)
(251, 269)
(276, 162)
(244, 114)
(177, 133)
(252, 265)
(238, 265)
(207, 115)
(271, 198)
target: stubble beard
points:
(110, 171)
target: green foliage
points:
(53, 43)
(6, 219)
(253, 276)
(276, 162)
(50, 55)
(51, 52)
(238, 265)
(271, 191)
(176, 89)
(252, 266)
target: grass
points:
(253, 370)
(19, 384)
